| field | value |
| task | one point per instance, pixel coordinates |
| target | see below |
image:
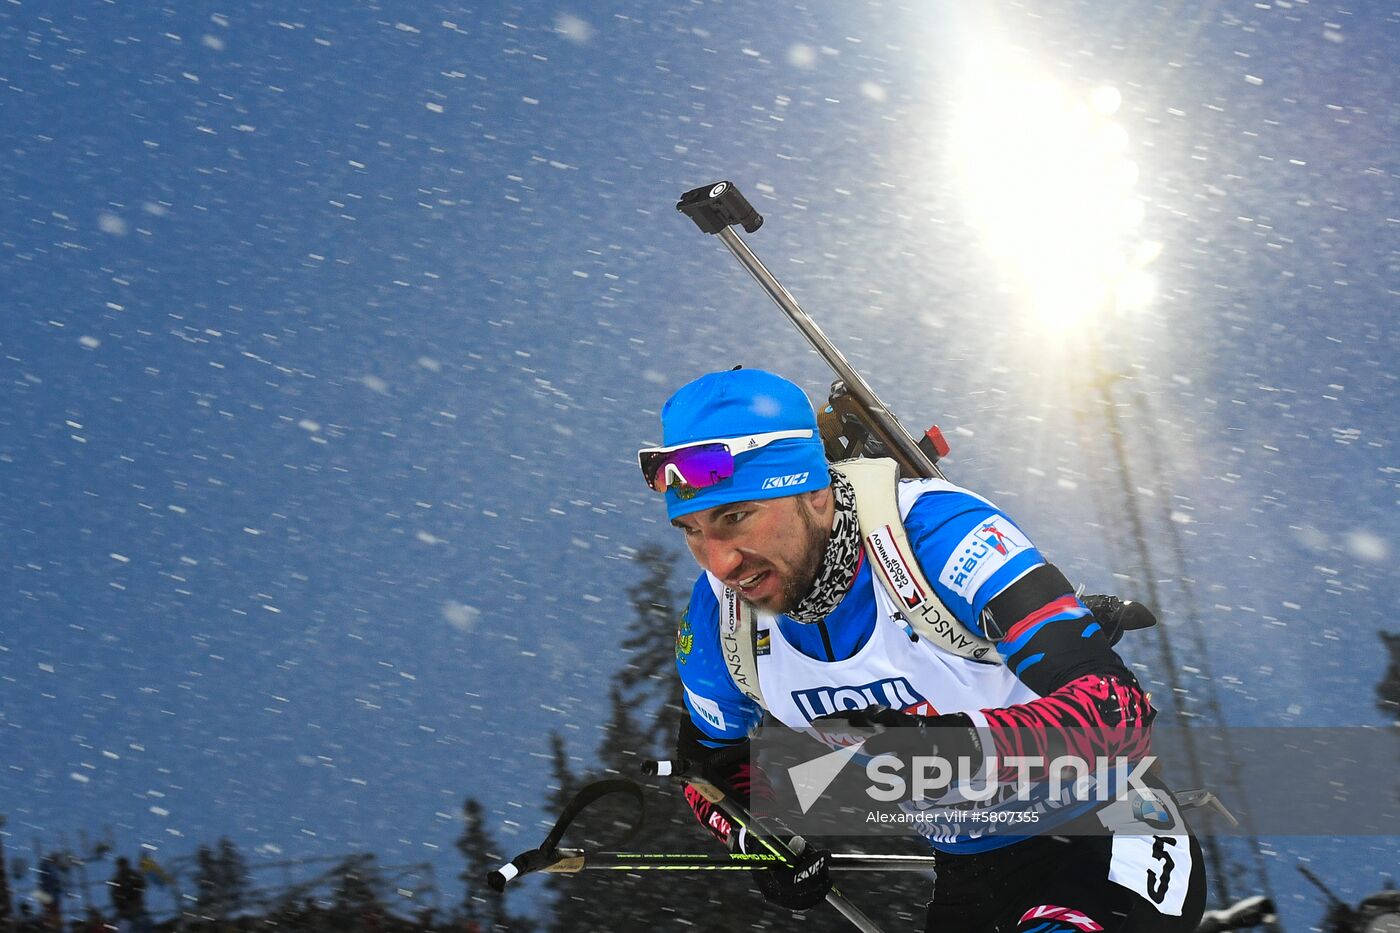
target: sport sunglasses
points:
(702, 463)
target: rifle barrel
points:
(885, 425)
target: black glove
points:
(891, 732)
(799, 886)
(1116, 616)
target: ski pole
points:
(551, 859)
(717, 794)
(572, 861)
(548, 853)
(716, 208)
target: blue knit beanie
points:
(736, 403)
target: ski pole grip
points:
(719, 205)
(504, 875)
(665, 767)
(522, 864)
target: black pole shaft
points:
(661, 861)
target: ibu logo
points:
(894, 692)
(982, 552)
(778, 482)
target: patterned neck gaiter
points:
(839, 563)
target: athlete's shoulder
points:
(937, 512)
(968, 547)
(931, 502)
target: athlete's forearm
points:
(1094, 716)
(733, 772)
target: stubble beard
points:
(804, 575)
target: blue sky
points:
(328, 338)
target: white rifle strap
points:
(738, 638)
(876, 484)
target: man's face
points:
(769, 551)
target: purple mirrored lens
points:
(700, 466)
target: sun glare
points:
(1049, 184)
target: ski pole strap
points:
(586, 797)
(548, 852)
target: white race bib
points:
(1156, 867)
